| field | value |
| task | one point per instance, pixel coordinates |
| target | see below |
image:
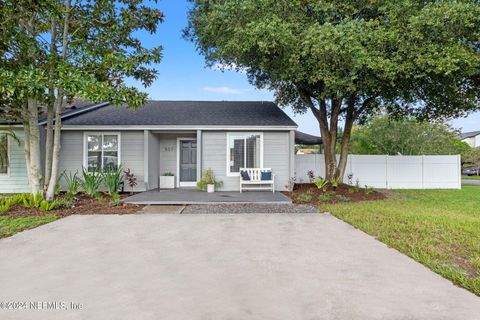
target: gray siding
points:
(276, 155)
(131, 153)
(16, 181)
(153, 152)
(168, 151)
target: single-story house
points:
(471, 138)
(179, 137)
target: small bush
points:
(73, 183)
(342, 198)
(131, 178)
(66, 203)
(32, 200)
(321, 183)
(334, 182)
(113, 179)
(168, 174)
(324, 197)
(91, 183)
(368, 190)
(18, 198)
(5, 204)
(305, 197)
(208, 177)
(115, 203)
(47, 206)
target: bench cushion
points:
(244, 175)
(266, 176)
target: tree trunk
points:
(56, 148)
(49, 143)
(347, 132)
(58, 112)
(33, 137)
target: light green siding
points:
(16, 181)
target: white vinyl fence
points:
(389, 172)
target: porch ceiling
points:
(193, 196)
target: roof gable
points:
(185, 113)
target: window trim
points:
(102, 133)
(244, 134)
(9, 153)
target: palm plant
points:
(91, 182)
(73, 183)
(113, 178)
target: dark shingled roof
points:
(306, 139)
(184, 113)
(466, 135)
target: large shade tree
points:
(54, 50)
(343, 60)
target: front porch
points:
(193, 196)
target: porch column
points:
(145, 159)
(292, 154)
(199, 155)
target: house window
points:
(3, 153)
(244, 150)
(102, 151)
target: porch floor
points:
(194, 196)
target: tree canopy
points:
(54, 50)
(406, 136)
(343, 60)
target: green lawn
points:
(10, 226)
(438, 228)
(471, 177)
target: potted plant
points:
(167, 180)
(208, 181)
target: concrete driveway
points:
(218, 267)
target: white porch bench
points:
(255, 175)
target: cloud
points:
(224, 90)
(225, 67)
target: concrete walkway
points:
(471, 182)
(275, 266)
(194, 196)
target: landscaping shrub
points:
(342, 198)
(113, 179)
(321, 183)
(91, 183)
(208, 177)
(334, 182)
(65, 203)
(305, 197)
(32, 200)
(47, 206)
(18, 198)
(131, 179)
(324, 197)
(5, 204)
(73, 183)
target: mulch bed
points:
(84, 205)
(343, 193)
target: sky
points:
(184, 76)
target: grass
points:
(471, 177)
(438, 228)
(9, 226)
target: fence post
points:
(386, 171)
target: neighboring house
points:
(182, 137)
(471, 138)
